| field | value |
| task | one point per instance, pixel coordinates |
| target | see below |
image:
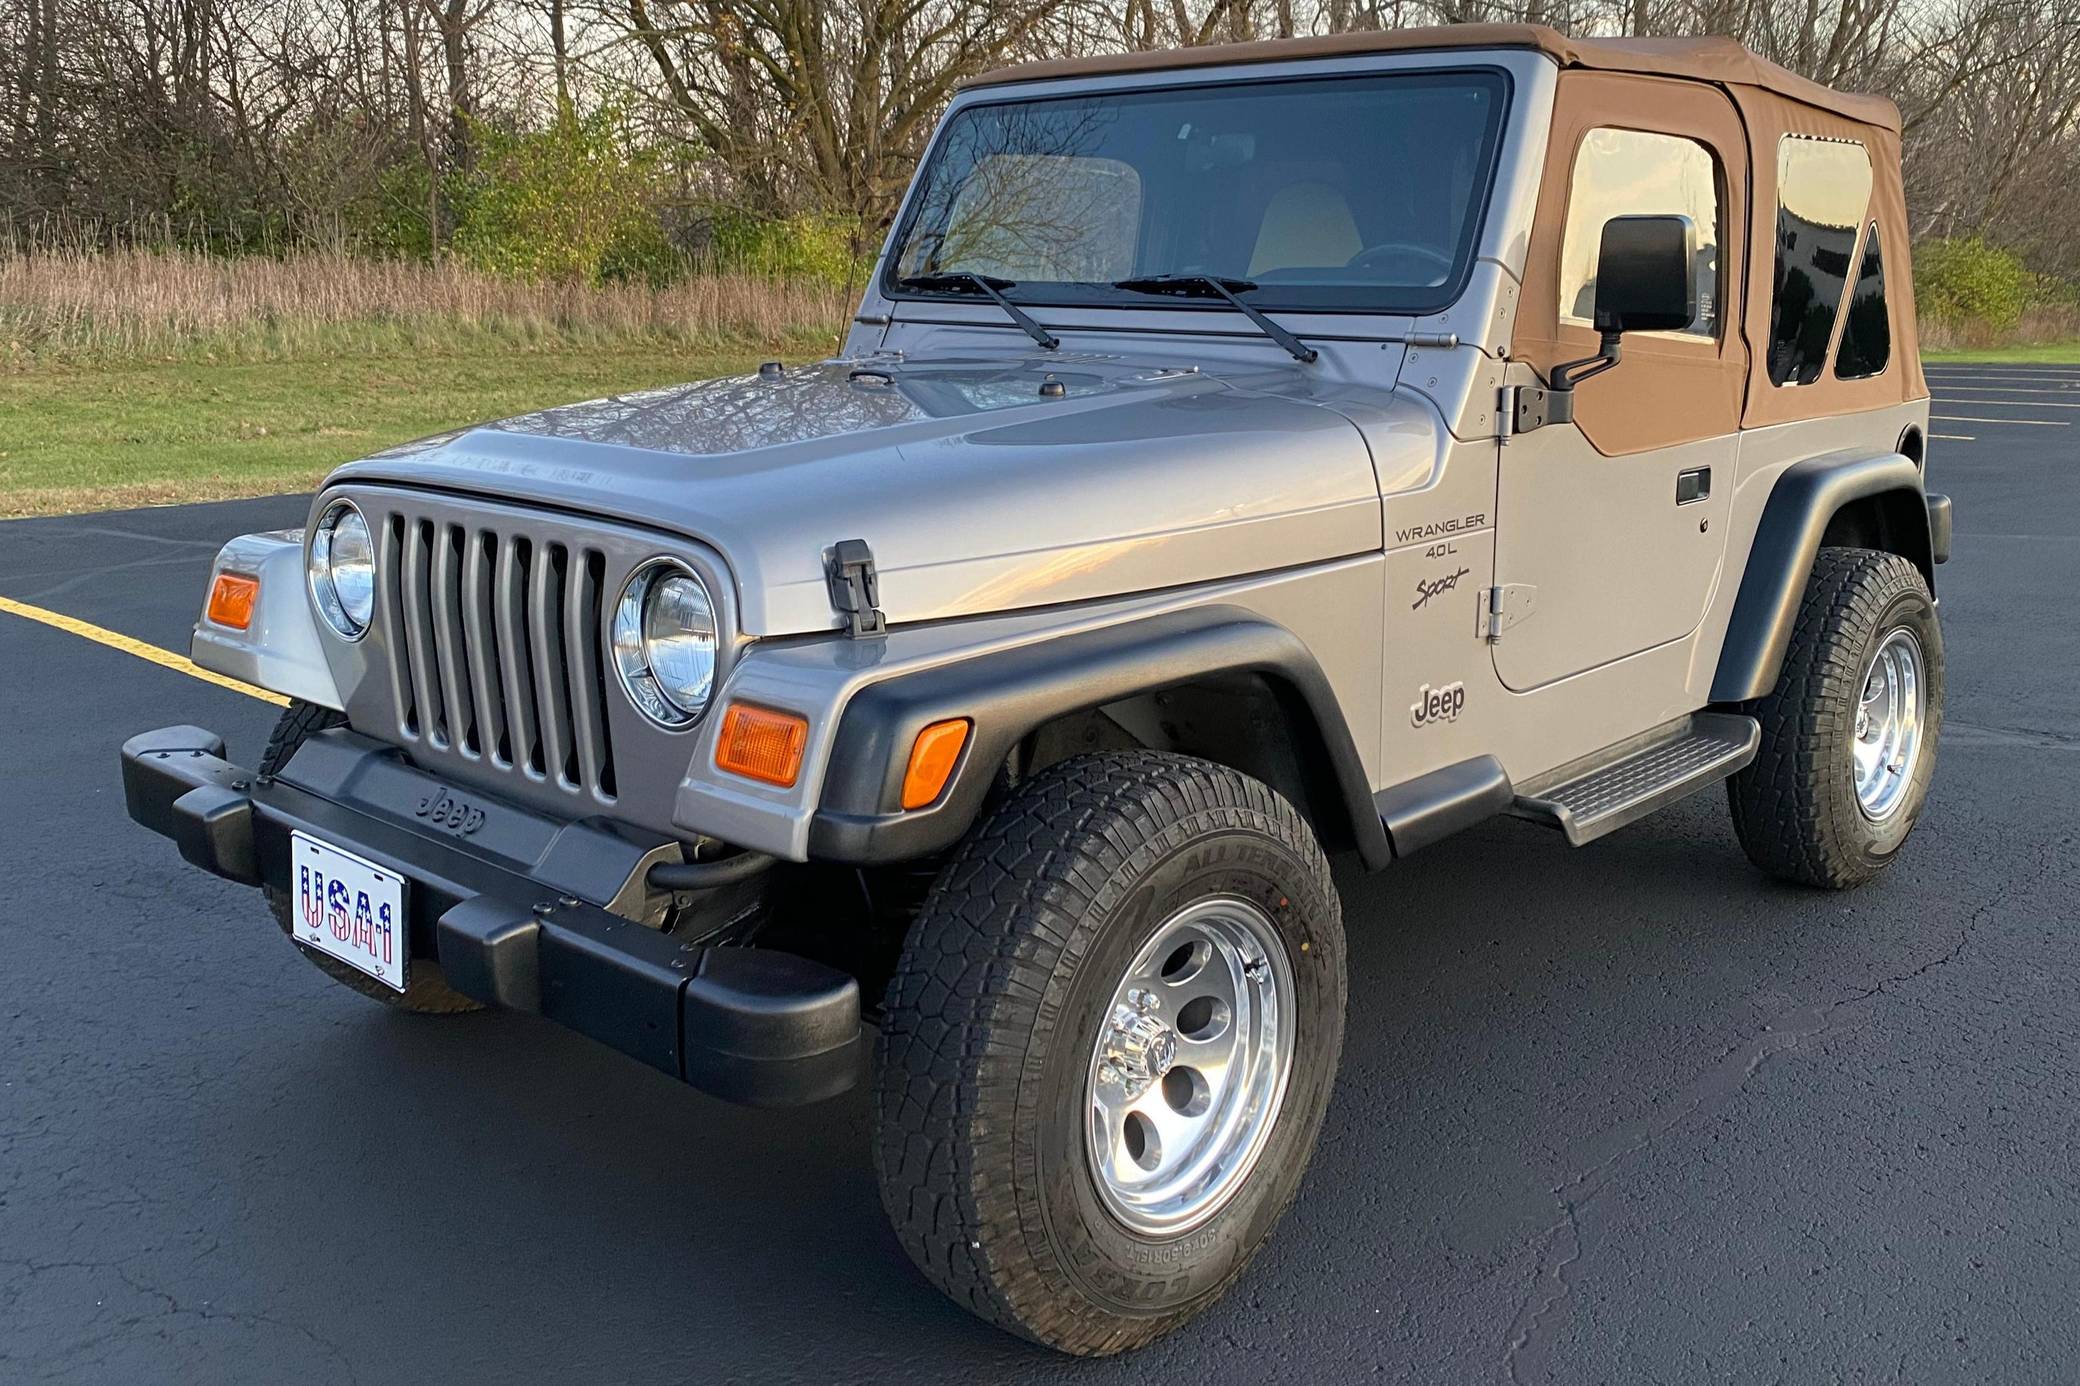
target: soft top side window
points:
(1823, 191)
(1867, 333)
(1637, 173)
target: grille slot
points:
(497, 652)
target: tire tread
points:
(1786, 803)
(1012, 903)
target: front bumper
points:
(515, 911)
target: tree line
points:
(279, 123)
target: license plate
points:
(349, 909)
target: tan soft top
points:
(1718, 60)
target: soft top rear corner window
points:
(1352, 194)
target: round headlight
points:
(343, 570)
(664, 643)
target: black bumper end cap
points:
(160, 766)
(762, 1028)
(770, 1029)
(177, 783)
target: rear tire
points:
(997, 1102)
(428, 992)
(1804, 811)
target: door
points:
(1610, 529)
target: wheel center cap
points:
(1139, 1048)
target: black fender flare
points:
(1804, 500)
(1010, 693)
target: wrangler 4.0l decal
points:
(1437, 529)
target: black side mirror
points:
(1644, 283)
(1645, 276)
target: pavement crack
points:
(1567, 1242)
(78, 580)
(1562, 1249)
(1958, 735)
(172, 1307)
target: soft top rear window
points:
(1823, 191)
(1358, 193)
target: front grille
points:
(496, 649)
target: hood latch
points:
(855, 587)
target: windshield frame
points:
(1095, 296)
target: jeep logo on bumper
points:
(444, 810)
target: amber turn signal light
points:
(231, 599)
(932, 758)
(762, 744)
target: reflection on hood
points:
(976, 491)
(740, 413)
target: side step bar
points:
(1631, 780)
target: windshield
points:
(1343, 193)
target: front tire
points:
(1849, 733)
(1129, 937)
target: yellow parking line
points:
(2031, 423)
(116, 640)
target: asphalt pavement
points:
(1627, 1114)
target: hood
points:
(976, 491)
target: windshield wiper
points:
(949, 281)
(1213, 286)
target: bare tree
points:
(824, 105)
(253, 121)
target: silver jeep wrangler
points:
(1242, 454)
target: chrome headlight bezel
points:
(631, 641)
(322, 568)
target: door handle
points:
(1693, 485)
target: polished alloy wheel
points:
(1889, 720)
(1189, 1070)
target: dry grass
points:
(77, 500)
(126, 306)
(154, 377)
(2043, 326)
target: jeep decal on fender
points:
(1434, 705)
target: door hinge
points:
(1526, 407)
(855, 587)
(1504, 606)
